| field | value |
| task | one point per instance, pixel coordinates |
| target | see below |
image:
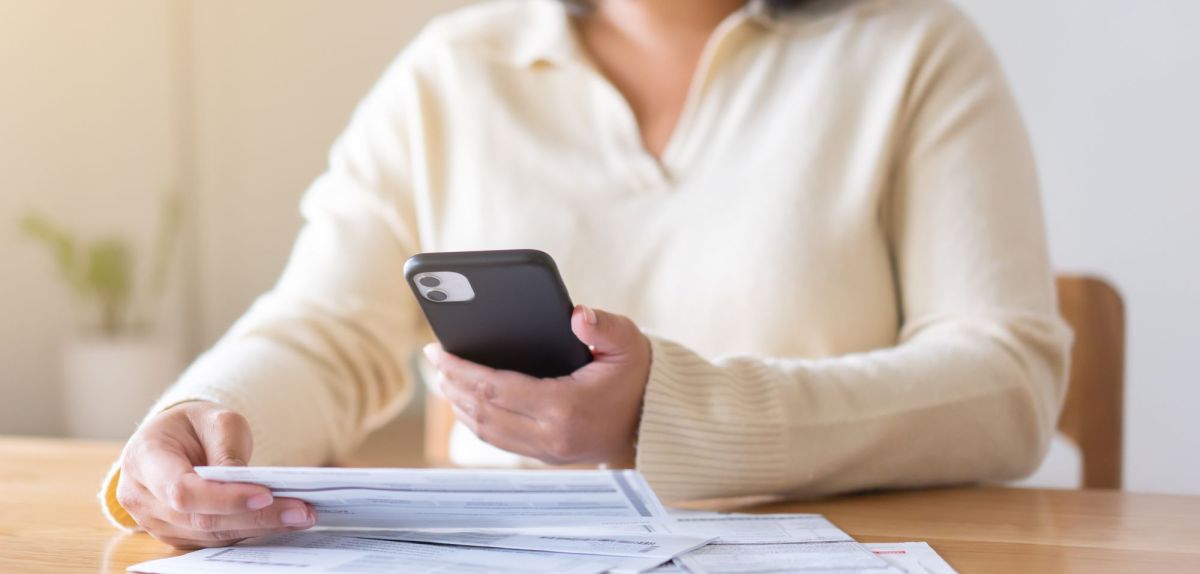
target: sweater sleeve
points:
(973, 387)
(320, 360)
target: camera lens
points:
(436, 295)
(430, 281)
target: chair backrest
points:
(1093, 414)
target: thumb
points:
(607, 333)
(225, 436)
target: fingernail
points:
(589, 315)
(430, 352)
(295, 517)
(259, 501)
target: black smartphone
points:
(505, 309)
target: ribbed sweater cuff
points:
(113, 511)
(710, 430)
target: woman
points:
(814, 227)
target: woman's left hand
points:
(589, 416)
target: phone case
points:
(520, 318)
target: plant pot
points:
(110, 382)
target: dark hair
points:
(777, 6)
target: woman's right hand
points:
(160, 489)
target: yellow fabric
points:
(840, 253)
(113, 510)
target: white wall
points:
(1111, 92)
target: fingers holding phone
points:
(588, 416)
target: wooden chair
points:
(1092, 416)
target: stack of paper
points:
(573, 522)
(424, 498)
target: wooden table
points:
(50, 521)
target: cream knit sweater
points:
(840, 255)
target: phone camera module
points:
(443, 287)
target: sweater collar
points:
(552, 37)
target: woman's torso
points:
(763, 230)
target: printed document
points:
(453, 498)
(305, 552)
(754, 543)
(758, 528)
(911, 557)
(575, 522)
(664, 546)
(775, 558)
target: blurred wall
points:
(106, 104)
(89, 135)
(275, 82)
(241, 100)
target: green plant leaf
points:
(62, 246)
(109, 278)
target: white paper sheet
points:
(315, 552)
(911, 557)
(669, 568)
(760, 543)
(664, 546)
(776, 558)
(722, 528)
(758, 528)
(433, 498)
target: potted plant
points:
(117, 363)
